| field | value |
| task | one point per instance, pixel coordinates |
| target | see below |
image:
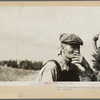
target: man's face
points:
(70, 49)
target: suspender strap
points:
(43, 69)
(57, 64)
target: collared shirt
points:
(49, 72)
(62, 63)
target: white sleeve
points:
(50, 73)
(47, 76)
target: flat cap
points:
(70, 39)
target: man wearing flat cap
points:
(64, 67)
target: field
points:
(15, 74)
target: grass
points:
(15, 74)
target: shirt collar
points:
(62, 63)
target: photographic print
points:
(31, 36)
(51, 46)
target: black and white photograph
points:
(49, 44)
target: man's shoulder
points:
(51, 65)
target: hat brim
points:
(77, 43)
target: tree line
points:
(25, 64)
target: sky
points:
(32, 32)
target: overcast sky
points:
(32, 33)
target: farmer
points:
(64, 67)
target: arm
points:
(47, 76)
(79, 59)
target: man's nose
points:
(76, 51)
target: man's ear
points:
(63, 50)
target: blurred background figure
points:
(96, 56)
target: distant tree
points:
(22, 64)
(25, 64)
(37, 65)
(9, 64)
(14, 64)
(3, 62)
